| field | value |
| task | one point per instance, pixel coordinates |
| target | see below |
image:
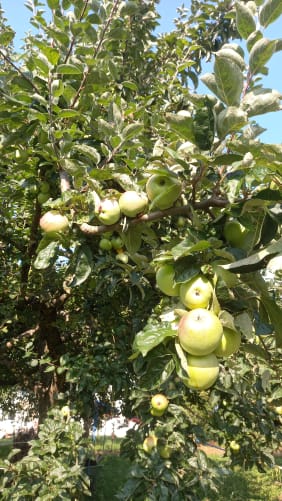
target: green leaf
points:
(245, 21)
(275, 317)
(261, 52)
(256, 350)
(152, 336)
(132, 239)
(230, 119)
(260, 101)
(53, 4)
(182, 124)
(69, 69)
(256, 261)
(88, 151)
(46, 256)
(269, 12)
(185, 248)
(229, 79)
(83, 266)
(131, 131)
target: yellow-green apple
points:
(278, 410)
(105, 244)
(65, 411)
(156, 413)
(199, 332)
(53, 221)
(163, 190)
(229, 343)
(117, 242)
(196, 293)
(234, 446)
(159, 402)
(122, 257)
(202, 371)
(234, 233)
(108, 211)
(132, 203)
(150, 443)
(165, 451)
(43, 197)
(165, 280)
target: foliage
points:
(55, 467)
(94, 105)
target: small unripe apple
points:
(122, 257)
(43, 197)
(199, 332)
(132, 203)
(164, 451)
(196, 293)
(234, 233)
(117, 242)
(229, 343)
(44, 187)
(150, 443)
(159, 402)
(156, 413)
(65, 411)
(234, 446)
(105, 244)
(108, 211)
(53, 221)
(278, 410)
(202, 371)
(165, 280)
(163, 191)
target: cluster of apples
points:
(161, 192)
(201, 333)
(159, 404)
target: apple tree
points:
(140, 230)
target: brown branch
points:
(10, 62)
(74, 38)
(184, 210)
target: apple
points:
(199, 332)
(108, 211)
(196, 293)
(229, 343)
(234, 446)
(105, 244)
(202, 371)
(150, 443)
(164, 451)
(234, 233)
(122, 257)
(65, 411)
(156, 413)
(53, 221)
(159, 402)
(165, 280)
(44, 187)
(278, 410)
(132, 203)
(163, 190)
(43, 197)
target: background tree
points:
(93, 106)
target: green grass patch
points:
(110, 475)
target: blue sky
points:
(18, 17)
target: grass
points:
(6, 445)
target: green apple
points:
(122, 257)
(164, 451)
(165, 280)
(234, 446)
(159, 402)
(202, 371)
(105, 244)
(53, 221)
(108, 211)
(199, 332)
(229, 343)
(117, 242)
(150, 443)
(196, 293)
(156, 413)
(43, 197)
(278, 410)
(234, 233)
(163, 191)
(44, 187)
(132, 203)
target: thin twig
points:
(74, 38)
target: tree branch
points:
(184, 210)
(10, 62)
